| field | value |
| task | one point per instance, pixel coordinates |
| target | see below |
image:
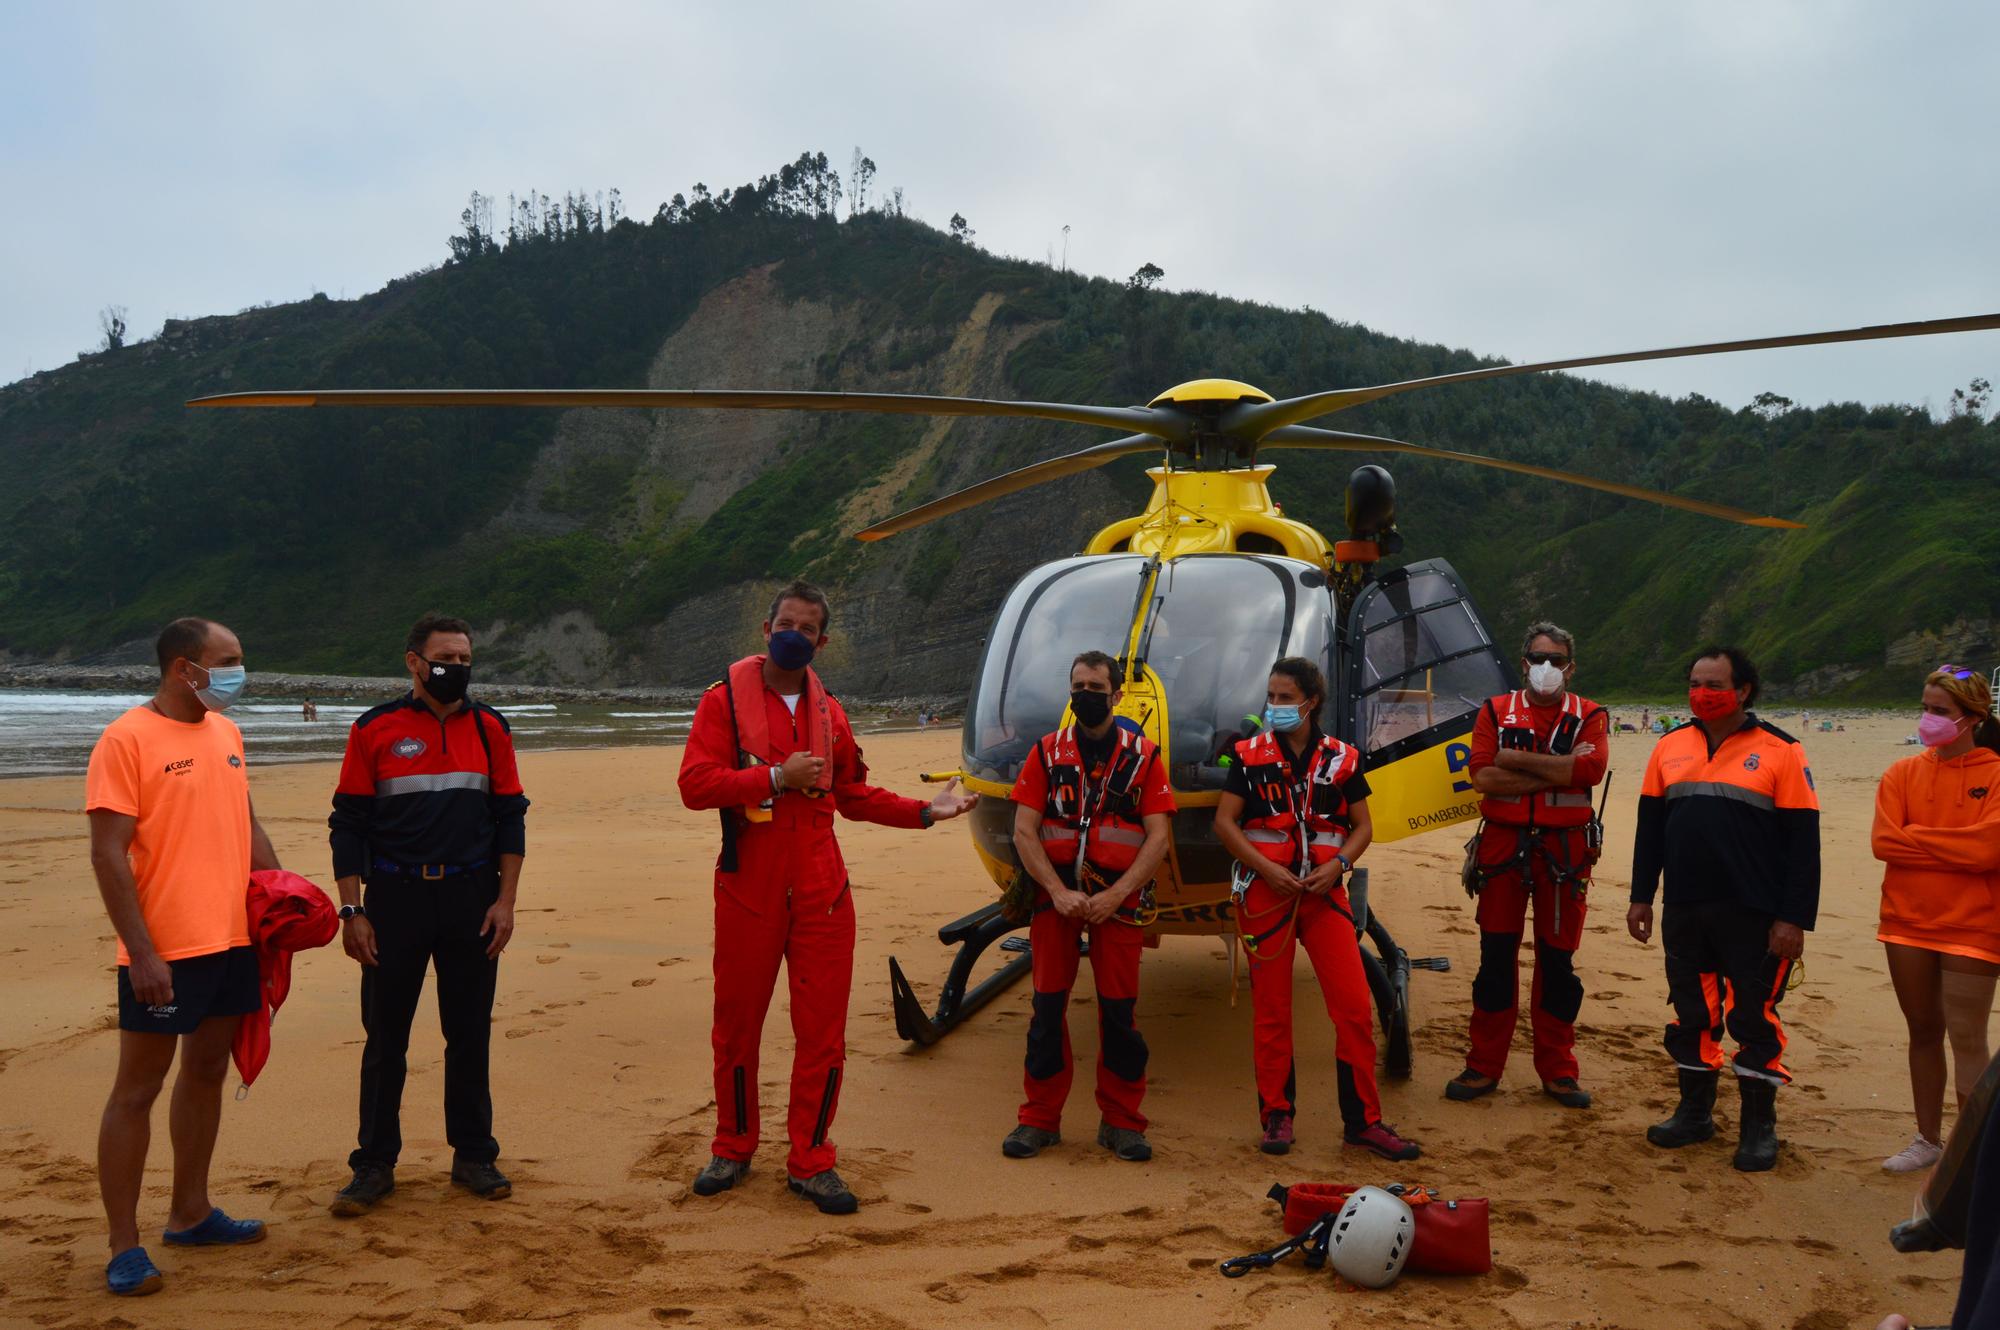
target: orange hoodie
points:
(1937, 827)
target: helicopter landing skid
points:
(974, 934)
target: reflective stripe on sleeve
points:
(1721, 790)
(1119, 836)
(449, 780)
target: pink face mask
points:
(1935, 731)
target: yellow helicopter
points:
(1198, 595)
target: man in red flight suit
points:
(1536, 753)
(772, 750)
(1093, 819)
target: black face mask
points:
(1090, 708)
(446, 683)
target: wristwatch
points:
(352, 911)
(1346, 864)
(930, 818)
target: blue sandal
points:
(132, 1274)
(218, 1230)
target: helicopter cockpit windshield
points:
(1213, 625)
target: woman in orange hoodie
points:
(1937, 827)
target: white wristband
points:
(777, 779)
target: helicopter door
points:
(1417, 663)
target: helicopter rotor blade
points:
(1255, 420)
(1070, 464)
(1305, 436)
(1170, 425)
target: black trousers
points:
(418, 924)
(1721, 973)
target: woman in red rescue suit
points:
(1295, 814)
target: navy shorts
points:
(222, 983)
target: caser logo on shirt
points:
(179, 768)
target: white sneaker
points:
(1919, 1153)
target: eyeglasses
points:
(1555, 658)
(1956, 672)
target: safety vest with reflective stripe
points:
(1513, 718)
(1108, 808)
(1284, 815)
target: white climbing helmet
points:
(1371, 1238)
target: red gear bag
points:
(1452, 1237)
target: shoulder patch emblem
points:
(408, 747)
(235, 761)
(1750, 763)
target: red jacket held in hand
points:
(287, 914)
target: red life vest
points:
(753, 725)
(1285, 817)
(1514, 723)
(1103, 818)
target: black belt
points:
(428, 872)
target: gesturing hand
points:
(801, 771)
(952, 801)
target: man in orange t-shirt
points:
(173, 840)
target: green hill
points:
(634, 547)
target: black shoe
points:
(1757, 1132)
(481, 1179)
(1025, 1142)
(1693, 1120)
(826, 1191)
(1129, 1145)
(370, 1184)
(719, 1175)
(1565, 1091)
(1466, 1086)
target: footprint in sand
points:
(547, 960)
(641, 983)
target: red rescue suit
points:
(781, 893)
(1533, 846)
(1094, 810)
(1301, 820)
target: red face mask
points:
(1712, 703)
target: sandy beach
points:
(601, 1085)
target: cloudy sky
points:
(1529, 179)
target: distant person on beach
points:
(173, 840)
(1536, 755)
(1093, 817)
(1937, 828)
(1728, 814)
(430, 815)
(1294, 816)
(773, 751)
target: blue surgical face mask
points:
(1282, 719)
(791, 649)
(225, 685)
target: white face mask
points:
(1545, 679)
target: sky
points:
(1529, 180)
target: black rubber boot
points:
(1693, 1121)
(1757, 1139)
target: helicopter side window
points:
(1425, 661)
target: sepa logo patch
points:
(1979, 793)
(1750, 762)
(409, 747)
(235, 761)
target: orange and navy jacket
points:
(1740, 822)
(418, 790)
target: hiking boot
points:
(1693, 1120)
(1025, 1142)
(1469, 1085)
(719, 1175)
(481, 1179)
(1565, 1091)
(1920, 1153)
(1127, 1144)
(371, 1182)
(826, 1191)
(1383, 1140)
(1757, 1132)
(1277, 1134)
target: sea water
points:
(50, 733)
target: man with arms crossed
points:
(173, 840)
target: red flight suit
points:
(786, 898)
(1115, 834)
(1282, 799)
(1519, 839)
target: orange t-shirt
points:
(1937, 828)
(191, 854)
